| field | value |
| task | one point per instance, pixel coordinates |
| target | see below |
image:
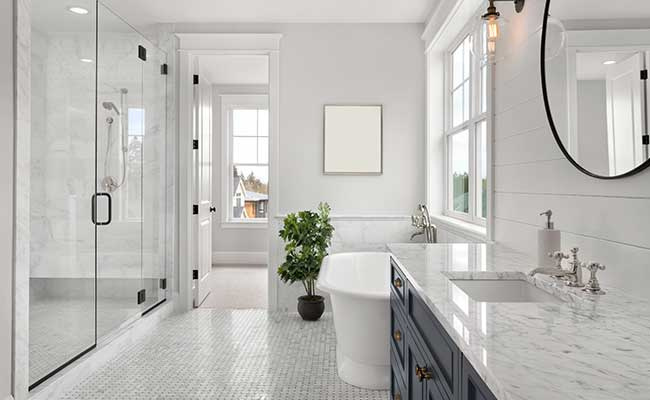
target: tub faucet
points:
(424, 225)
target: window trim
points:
(228, 103)
(475, 118)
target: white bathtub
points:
(359, 288)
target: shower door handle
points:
(93, 205)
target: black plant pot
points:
(311, 308)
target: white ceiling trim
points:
(235, 42)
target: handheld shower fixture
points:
(110, 106)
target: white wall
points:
(347, 63)
(608, 220)
(6, 193)
(592, 126)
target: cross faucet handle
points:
(558, 256)
(593, 286)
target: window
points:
(467, 127)
(246, 125)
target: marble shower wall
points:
(63, 153)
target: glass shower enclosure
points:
(97, 180)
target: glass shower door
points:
(61, 160)
(120, 134)
(153, 176)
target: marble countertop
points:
(585, 347)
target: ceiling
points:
(235, 69)
(590, 65)
(600, 9)
(144, 12)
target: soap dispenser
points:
(549, 240)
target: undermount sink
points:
(503, 291)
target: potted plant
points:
(307, 235)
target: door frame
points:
(190, 46)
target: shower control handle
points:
(93, 205)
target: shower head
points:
(111, 106)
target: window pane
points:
(263, 128)
(460, 171)
(250, 191)
(244, 122)
(244, 150)
(263, 150)
(457, 107)
(467, 44)
(481, 134)
(136, 121)
(483, 88)
(466, 99)
(457, 60)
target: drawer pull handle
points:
(422, 373)
(397, 335)
(397, 396)
(398, 283)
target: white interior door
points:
(625, 113)
(203, 190)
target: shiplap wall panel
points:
(609, 220)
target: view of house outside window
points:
(250, 162)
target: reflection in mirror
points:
(596, 58)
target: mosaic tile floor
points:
(230, 355)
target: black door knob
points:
(213, 209)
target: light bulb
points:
(78, 10)
(492, 29)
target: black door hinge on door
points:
(142, 53)
(644, 75)
(142, 296)
(195, 274)
(195, 79)
(195, 209)
(163, 69)
(195, 144)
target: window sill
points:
(461, 228)
(245, 225)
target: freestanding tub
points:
(359, 288)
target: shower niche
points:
(97, 181)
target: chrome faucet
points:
(572, 276)
(423, 223)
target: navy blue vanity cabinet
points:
(425, 361)
(473, 387)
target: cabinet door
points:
(472, 386)
(414, 360)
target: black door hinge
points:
(195, 144)
(142, 296)
(195, 209)
(644, 75)
(163, 69)
(163, 283)
(645, 139)
(195, 274)
(142, 53)
(195, 79)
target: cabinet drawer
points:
(397, 280)
(437, 344)
(398, 331)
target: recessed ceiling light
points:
(609, 62)
(86, 60)
(78, 10)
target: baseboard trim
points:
(240, 257)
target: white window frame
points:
(228, 103)
(475, 117)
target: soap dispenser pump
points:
(549, 240)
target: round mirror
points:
(595, 57)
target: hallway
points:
(227, 354)
(237, 287)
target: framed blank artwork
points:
(352, 140)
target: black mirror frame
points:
(549, 114)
